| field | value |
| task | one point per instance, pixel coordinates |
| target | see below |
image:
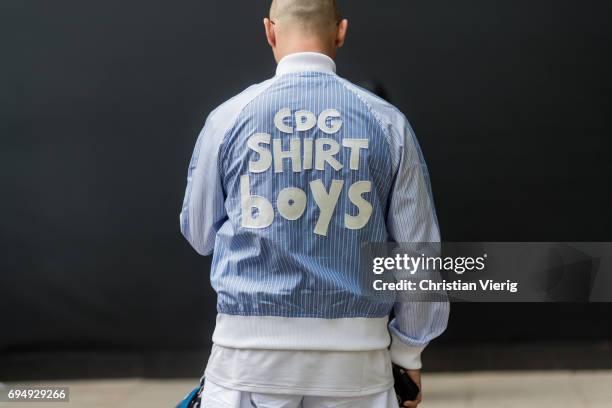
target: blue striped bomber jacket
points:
(287, 181)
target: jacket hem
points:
(293, 333)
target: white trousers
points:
(215, 396)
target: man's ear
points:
(341, 33)
(270, 34)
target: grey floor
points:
(487, 390)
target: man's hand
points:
(415, 375)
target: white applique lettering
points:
(326, 202)
(335, 124)
(355, 145)
(304, 120)
(257, 212)
(265, 157)
(308, 143)
(365, 208)
(294, 154)
(279, 120)
(327, 156)
(291, 203)
(306, 154)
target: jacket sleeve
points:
(411, 218)
(203, 210)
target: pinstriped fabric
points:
(204, 197)
(411, 218)
(286, 269)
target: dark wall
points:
(101, 103)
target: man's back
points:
(302, 170)
(320, 164)
(287, 182)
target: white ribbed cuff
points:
(298, 333)
(404, 355)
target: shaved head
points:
(312, 15)
(305, 26)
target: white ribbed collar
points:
(306, 62)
